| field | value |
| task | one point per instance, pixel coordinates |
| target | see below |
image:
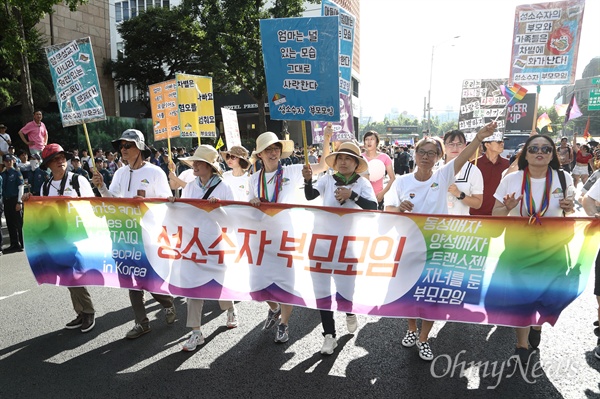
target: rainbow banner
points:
(497, 270)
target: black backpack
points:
(74, 183)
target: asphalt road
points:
(39, 358)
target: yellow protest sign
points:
(196, 106)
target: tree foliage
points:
(20, 45)
(159, 43)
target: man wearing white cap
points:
(138, 179)
(277, 183)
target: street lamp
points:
(430, 80)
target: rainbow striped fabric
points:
(514, 93)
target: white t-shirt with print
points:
(326, 188)
(470, 181)
(85, 187)
(4, 142)
(193, 190)
(429, 197)
(512, 183)
(150, 178)
(292, 181)
(240, 185)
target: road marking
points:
(13, 294)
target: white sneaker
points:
(193, 342)
(232, 319)
(351, 323)
(329, 344)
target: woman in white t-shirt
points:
(534, 191)
(278, 183)
(209, 186)
(426, 191)
(237, 159)
(345, 189)
(467, 190)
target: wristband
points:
(354, 196)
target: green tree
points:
(158, 44)
(233, 42)
(18, 18)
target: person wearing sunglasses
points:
(534, 191)
(137, 179)
(426, 191)
(467, 190)
(238, 161)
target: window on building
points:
(157, 3)
(133, 8)
(125, 10)
(118, 12)
(149, 4)
(355, 86)
(166, 3)
(120, 51)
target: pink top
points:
(377, 168)
(36, 134)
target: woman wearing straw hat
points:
(346, 189)
(277, 183)
(237, 158)
(207, 185)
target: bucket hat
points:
(51, 151)
(134, 136)
(205, 153)
(348, 148)
(268, 138)
(241, 153)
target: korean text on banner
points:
(346, 37)
(301, 67)
(196, 106)
(342, 130)
(546, 43)
(496, 270)
(165, 113)
(231, 127)
(75, 79)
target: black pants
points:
(328, 322)
(14, 222)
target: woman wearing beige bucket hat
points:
(207, 185)
(237, 158)
(346, 189)
(280, 184)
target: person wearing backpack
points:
(67, 184)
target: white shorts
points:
(580, 170)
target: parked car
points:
(511, 143)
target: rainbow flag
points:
(543, 120)
(514, 93)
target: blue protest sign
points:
(301, 67)
(346, 36)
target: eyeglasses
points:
(229, 156)
(430, 154)
(534, 149)
(272, 149)
(127, 146)
(455, 145)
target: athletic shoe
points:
(329, 344)
(75, 323)
(282, 333)
(410, 339)
(191, 344)
(272, 318)
(535, 336)
(351, 323)
(232, 318)
(425, 351)
(89, 321)
(170, 315)
(137, 331)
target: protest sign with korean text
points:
(196, 106)
(165, 112)
(546, 43)
(481, 102)
(231, 127)
(301, 67)
(75, 80)
(346, 37)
